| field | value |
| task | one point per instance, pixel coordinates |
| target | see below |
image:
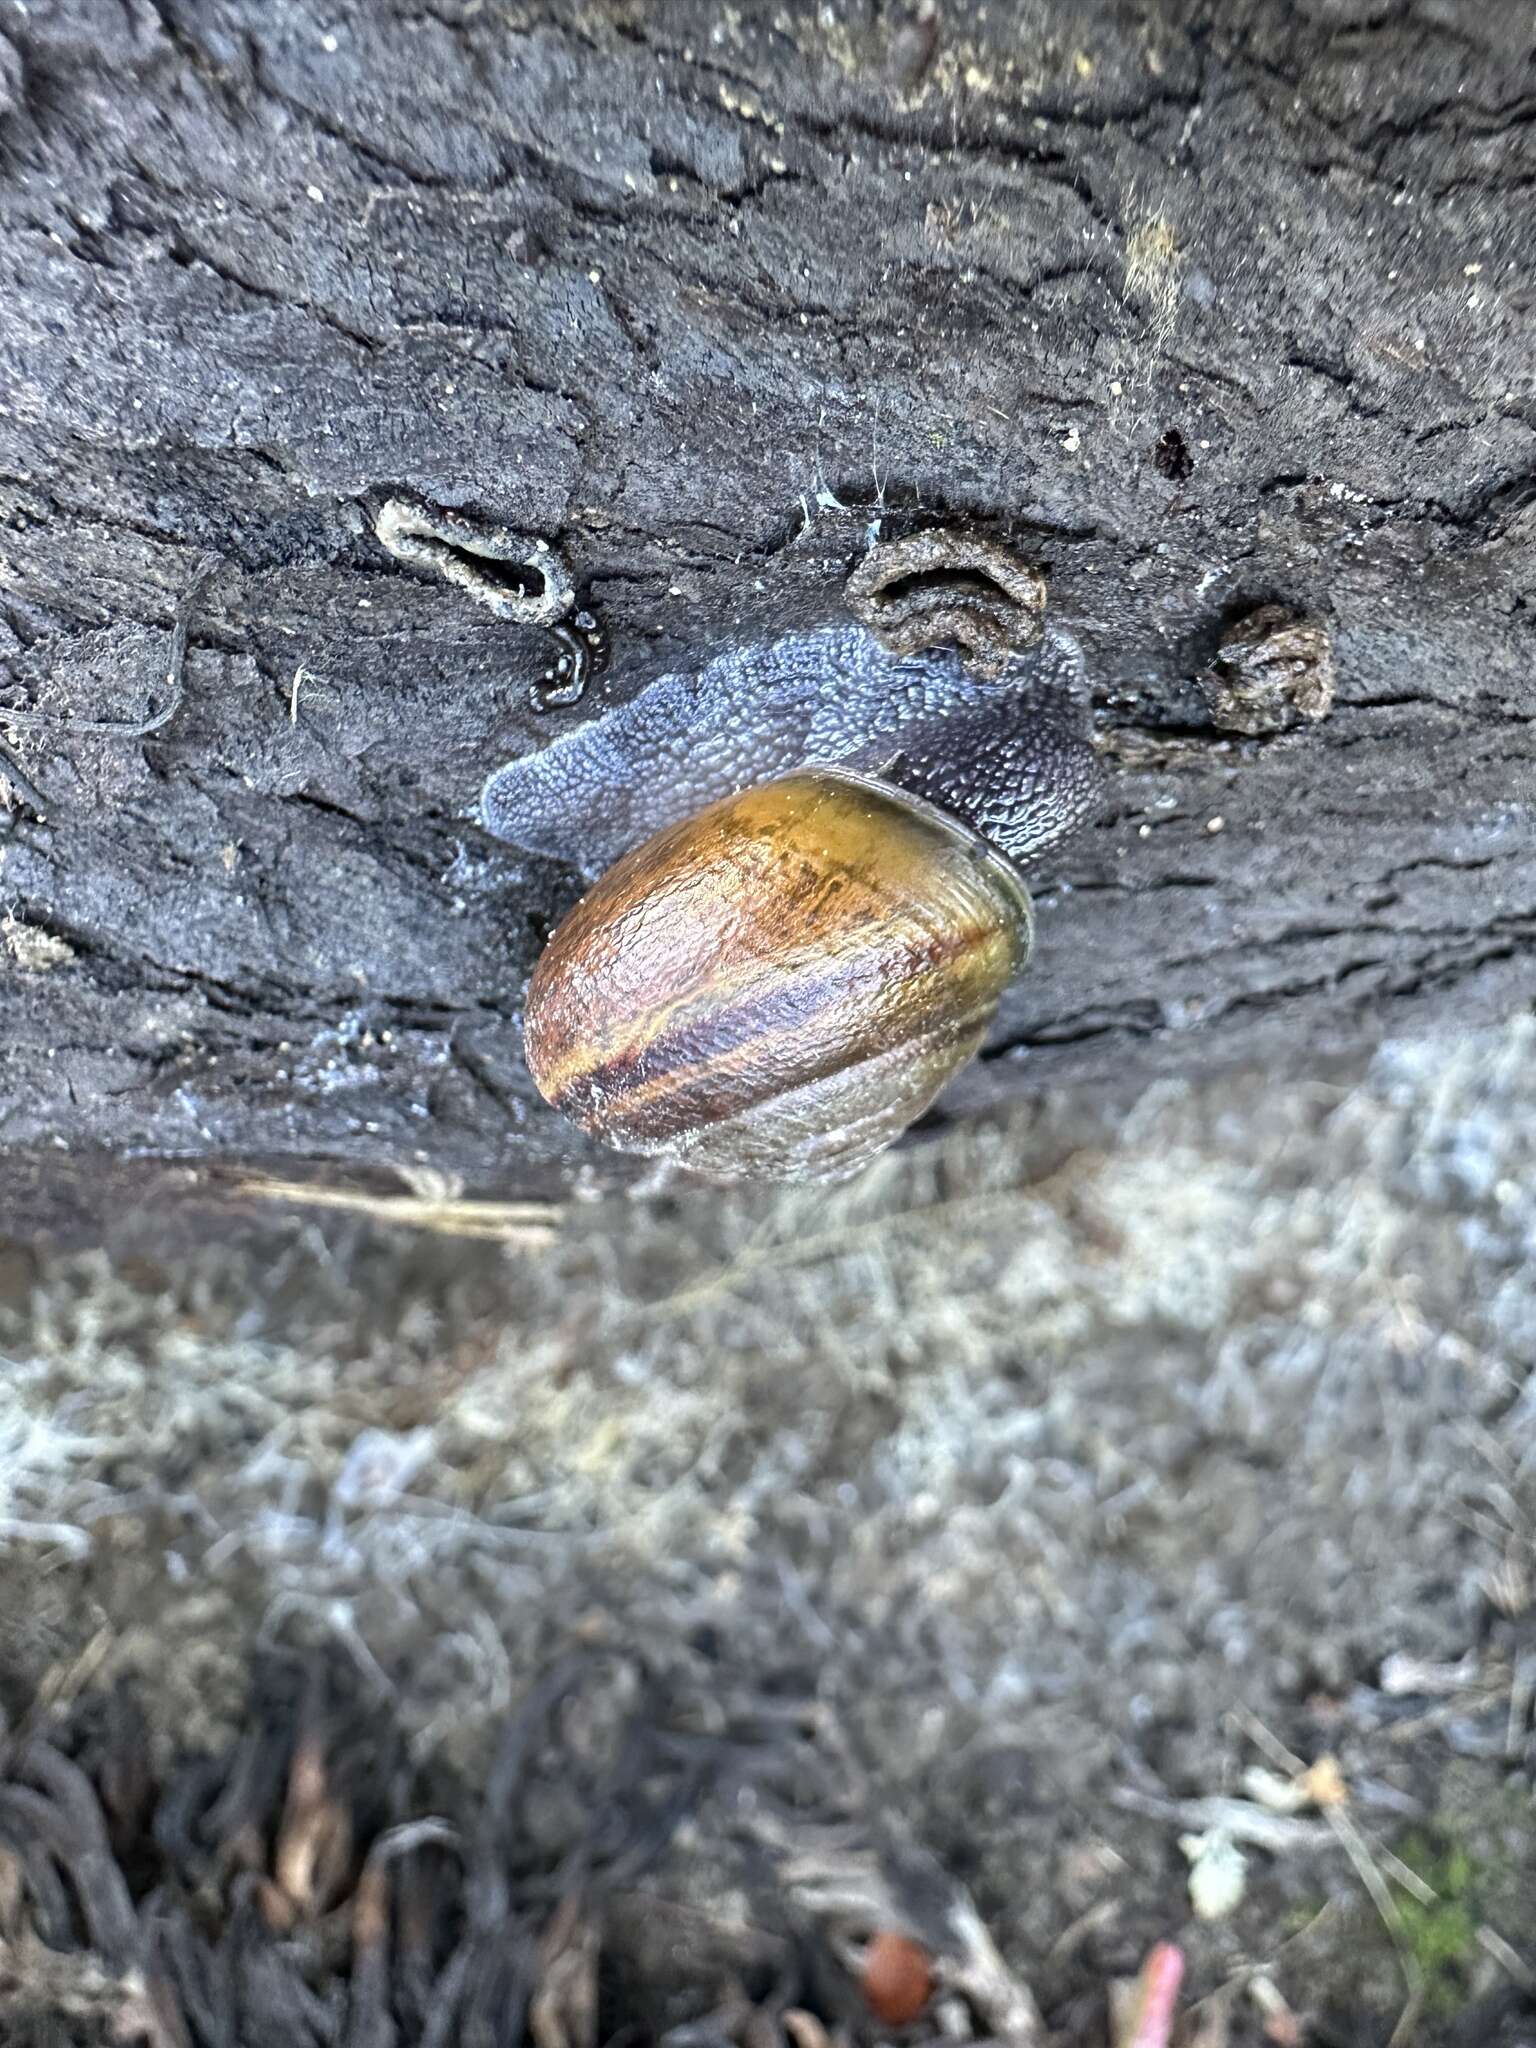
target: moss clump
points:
(1441, 1935)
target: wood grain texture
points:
(1200, 306)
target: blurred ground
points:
(1067, 1469)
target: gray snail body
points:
(1007, 756)
(810, 895)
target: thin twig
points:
(1367, 1869)
(128, 728)
(527, 1223)
(1239, 1818)
(21, 783)
(1508, 1958)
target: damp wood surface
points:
(1201, 308)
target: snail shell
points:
(776, 986)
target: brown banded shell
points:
(777, 986)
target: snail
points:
(810, 896)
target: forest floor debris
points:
(1080, 1483)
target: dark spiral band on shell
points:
(780, 983)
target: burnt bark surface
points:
(1201, 306)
